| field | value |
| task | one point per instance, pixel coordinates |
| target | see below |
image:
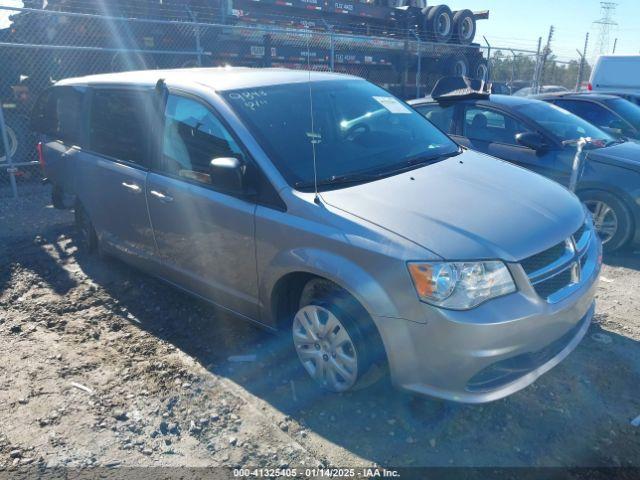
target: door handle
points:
(163, 197)
(132, 186)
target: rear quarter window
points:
(58, 114)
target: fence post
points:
(7, 152)
(266, 41)
(583, 57)
(196, 31)
(332, 49)
(419, 66)
(534, 79)
(489, 69)
(405, 69)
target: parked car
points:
(501, 88)
(534, 134)
(528, 91)
(366, 233)
(616, 74)
(610, 113)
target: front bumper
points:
(494, 350)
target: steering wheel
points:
(357, 130)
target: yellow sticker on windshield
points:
(392, 104)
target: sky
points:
(519, 23)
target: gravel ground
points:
(103, 366)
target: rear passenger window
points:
(58, 113)
(441, 117)
(193, 136)
(490, 126)
(120, 124)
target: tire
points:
(343, 358)
(87, 237)
(480, 69)
(439, 23)
(18, 137)
(464, 27)
(458, 66)
(57, 197)
(609, 210)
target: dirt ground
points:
(102, 365)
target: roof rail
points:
(460, 87)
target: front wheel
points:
(336, 341)
(611, 218)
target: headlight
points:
(460, 285)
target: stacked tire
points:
(443, 26)
(17, 131)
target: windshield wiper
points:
(352, 178)
(339, 180)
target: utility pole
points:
(534, 80)
(615, 45)
(583, 57)
(605, 24)
(545, 56)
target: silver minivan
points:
(320, 205)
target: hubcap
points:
(13, 145)
(325, 348)
(467, 28)
(604, 219)
(444, 24)
(460, 68)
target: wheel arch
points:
(290, 271)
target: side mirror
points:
(228, 174)
(531, 140)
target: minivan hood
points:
(626, 155)
(467, 207)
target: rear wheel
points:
(335, 339)
(439, 23)
(458, 66)
(464, 27)
(88, 239)
(611, 218)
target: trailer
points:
(402, 45)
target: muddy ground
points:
(102, 365)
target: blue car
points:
(536, 135)
(614, 115)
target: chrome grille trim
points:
(574, 259)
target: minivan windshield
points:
(565, 126)
(359, 131)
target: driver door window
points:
(490, 126)
(193, 136)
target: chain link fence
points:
(43, 45)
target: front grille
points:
(542, 259)
(548, 287)
(551, 270)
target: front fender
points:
(338, 269)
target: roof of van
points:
(218, 78)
